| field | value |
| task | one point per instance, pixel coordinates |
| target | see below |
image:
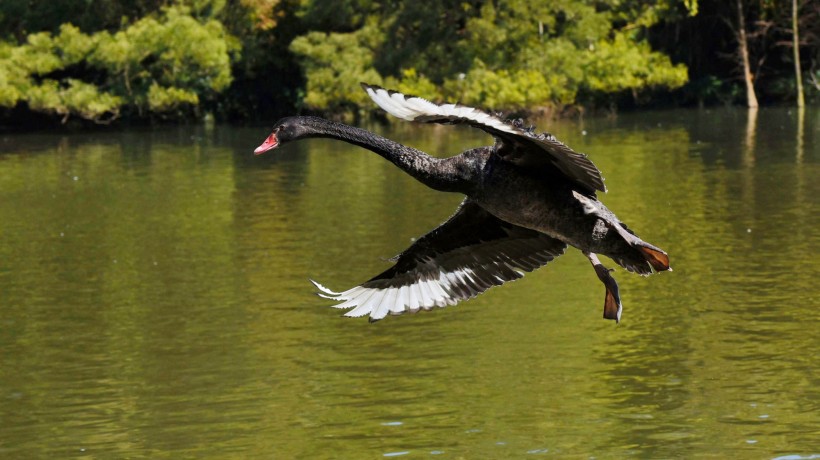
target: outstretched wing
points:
(470, 253)
(518, 145)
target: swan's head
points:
(286, 129)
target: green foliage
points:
(334, 64)
(26, 69)
(73, 97)
(179, 58)
(13, 78)
(159, 65)
(621, 64)
(426, 37)
(163, 99)
(155, 65)
(412, 82)
(519, 89)
(335, 15)
(517, 54)
(530, 53)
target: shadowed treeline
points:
(140, 60)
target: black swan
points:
(528, 196)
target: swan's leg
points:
(612, 299)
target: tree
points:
(165, 65)
(565, 49)
(518, 54)
(798, 74)
(743, 51)
(334, 64)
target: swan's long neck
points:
(436, 173)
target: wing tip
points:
(323, 290)
(371, 89)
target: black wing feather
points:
(468, 254)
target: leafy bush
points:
(155, 65)
(334, 64)
(518, 54)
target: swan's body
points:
(528, 197)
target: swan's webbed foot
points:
(612, 298)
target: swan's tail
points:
(640, 257)
(654, 256)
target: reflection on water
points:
(154, 300)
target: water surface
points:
(154, 301)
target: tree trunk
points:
(798, 75)
(751, 98)
(751, 136)
(801, 123)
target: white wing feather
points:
(412, 107)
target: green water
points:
(154, 301)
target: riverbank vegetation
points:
(138, 60)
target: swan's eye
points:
(279, 128)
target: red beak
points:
(270, 143)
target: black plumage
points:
(528, 196)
